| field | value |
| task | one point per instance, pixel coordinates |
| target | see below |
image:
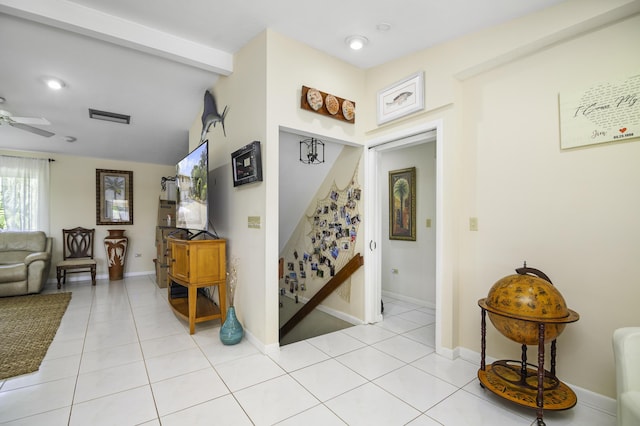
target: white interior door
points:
(373, 230)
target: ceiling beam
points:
(96, 24)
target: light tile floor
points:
(121, 357)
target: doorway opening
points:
(405, 272)
(319, 225)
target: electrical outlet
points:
(394, 271)
(428, 223)
(473, 224)
(138, 254)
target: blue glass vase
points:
(231, 331)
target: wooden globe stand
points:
(526, 384)
(529, 310)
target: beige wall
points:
(572, 214)
(263, 94)
(290, 65)
(73, 203)
(245, 93)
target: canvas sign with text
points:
(602, 113)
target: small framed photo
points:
(401, 98)
(402, 204)
(114, 197)
(246, 164)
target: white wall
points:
(299, 181)
(414, 260)
(346, 171)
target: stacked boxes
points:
(162, 259)
(166, 213)
(166, 218)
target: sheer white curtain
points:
(24, 188)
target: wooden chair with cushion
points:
(77, 254)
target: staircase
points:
(341, 276)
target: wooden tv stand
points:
(196, 264)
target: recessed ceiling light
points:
(356, 42)
(54, 83)
(383, 26)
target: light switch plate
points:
(253, 222)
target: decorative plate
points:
(333, 106)
(314, 98)
(348, 110)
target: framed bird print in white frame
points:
(401, 98)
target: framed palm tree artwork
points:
(114, 197)
(402, 204)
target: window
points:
(24, 194)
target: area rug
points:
(27, 327)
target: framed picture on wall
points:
(401, 98)
(114, 197)
(402, 204)
(246, 164)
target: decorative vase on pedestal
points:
(116, 246)
(231, 331)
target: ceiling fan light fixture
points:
(356, 42)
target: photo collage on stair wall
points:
(330, 243)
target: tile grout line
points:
(84, 341)
(144, 358)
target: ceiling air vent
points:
(109, 116)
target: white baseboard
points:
(594, 400)
(408, 299)
(341, 315)
(338, 314)
(448, 353)
(87, 277)
(273, 348)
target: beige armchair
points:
(25, 260)
(626, 349)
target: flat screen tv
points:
(191, 184)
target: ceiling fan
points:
(24, 123)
